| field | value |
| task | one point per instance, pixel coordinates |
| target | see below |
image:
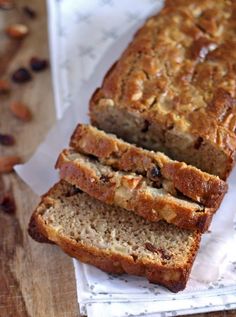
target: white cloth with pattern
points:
(86, 37)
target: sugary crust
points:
(202, 187)
(179, 72)
(131, 193)
(172, 277)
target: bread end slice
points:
(110, 239)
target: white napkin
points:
(86, 37)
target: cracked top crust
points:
(180, 70)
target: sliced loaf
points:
(131, 192)
(173, 88)
(114, 240)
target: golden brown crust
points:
(172, 277)
(130, 191)
(35, 233)
(179, 72)
(207, 189)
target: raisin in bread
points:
(175, 177)
(131, 191)
(114, 240)
(173, 89)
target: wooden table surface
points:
(35, 280)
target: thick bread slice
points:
(173, 88)
(201, 187)
(131, 192)
(114, 240)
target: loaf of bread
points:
(175, 177)
(112, 239)
(173, 89)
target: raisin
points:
(135, 257)
(145, 126)
(150, 247)
(73, 191)
(38, 64)
(105, 178)
(7, 204)
(155, 172)
(7, 139)
(29, 12)
(170, 126)
(198, 143)
(21, 75)
(164, 255)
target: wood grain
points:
(36, 280)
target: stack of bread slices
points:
(128, 209)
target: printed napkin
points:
(86, 37)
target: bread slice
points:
(176, 177)
(114, 240)
(173, 89)
(131, 192)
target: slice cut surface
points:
(114, 240)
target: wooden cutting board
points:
(35, 280)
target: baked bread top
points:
(180, 71)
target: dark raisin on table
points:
(29, 12)
(7, 139)
(21, 75)
(38, 64)
(7, 204)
